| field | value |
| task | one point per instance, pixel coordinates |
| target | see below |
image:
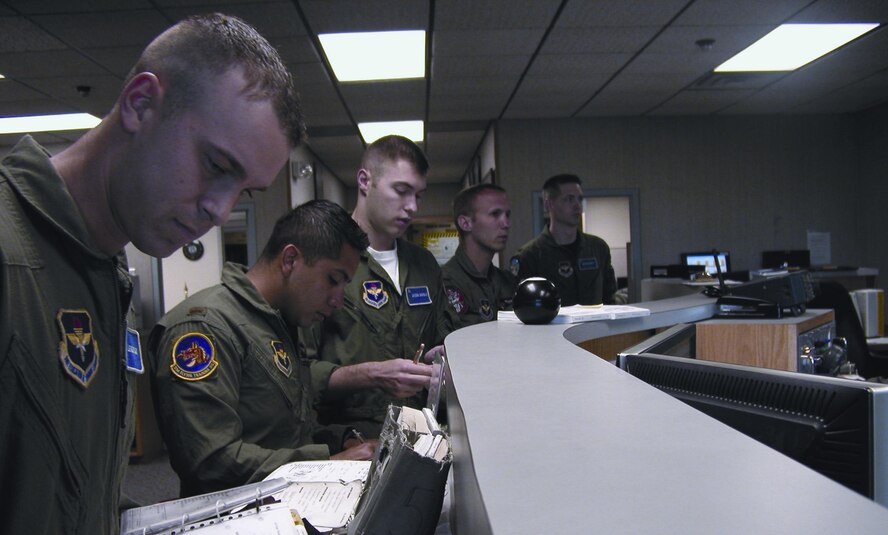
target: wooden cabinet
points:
(766, 343)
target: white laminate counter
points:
(549, 439)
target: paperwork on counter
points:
(324, 493)
(584, 313)
(167, 517)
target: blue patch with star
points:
(193, 357)
(374, 294)
(78, 350)
(418, 295)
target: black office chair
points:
(831, 294)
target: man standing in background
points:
(209, 111)
(476, 289)
(396, 303)
(578, 264)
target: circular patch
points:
(194, 357)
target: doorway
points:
(239, 235)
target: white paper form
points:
(326, 493)
(584, 313)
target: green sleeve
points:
(199, 418)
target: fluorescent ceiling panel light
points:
(375, 55)
(790, 46)
(47, 123)
(409, 129)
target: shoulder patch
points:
(78, 350)
(457, 300)
(193, 357)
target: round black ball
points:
(536, 301)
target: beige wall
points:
(745, 184)
(872, 203)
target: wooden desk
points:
(766, 343)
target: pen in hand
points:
(357, 434)
(418, 353)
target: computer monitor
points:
(838, 427)
(707, 260)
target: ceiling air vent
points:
(736, 80)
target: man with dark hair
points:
(166, 164)
(396, 301)
(232, 387)
(476, 289)
(578, 264)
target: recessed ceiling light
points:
(375, 55)
(409, 129)
(48, 123)
(790, 46)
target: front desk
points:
(548, 438)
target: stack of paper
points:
(583, 313)
(326, 493)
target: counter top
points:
(548, 438)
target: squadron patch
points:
(374, 294)
(565, 269)
(486, 310)
(281, 359)
(194, 357)
(457, 300)
(78, 350)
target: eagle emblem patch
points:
(565, 269)
(281, 359)
(194, 357)
(374, 294)
(486, 310)
(78, 350)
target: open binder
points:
(407, 478)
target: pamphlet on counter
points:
(584, 313)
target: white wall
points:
(183, 277)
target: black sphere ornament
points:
(536, 301)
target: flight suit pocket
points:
(284, 369)
(38, 457)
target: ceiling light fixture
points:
(48, 123)
(366, 56)
(791, 46)
(410, 129)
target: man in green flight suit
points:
(476, 289)
(232, 387)
(396, 302)
(578, 264)
(208, 112)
